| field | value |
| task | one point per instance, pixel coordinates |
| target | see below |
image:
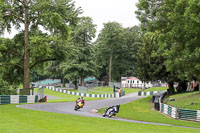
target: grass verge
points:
(189, 100)
(64, 97)
(106, 90)
(156, 89)
(131, 90)
(20, 120)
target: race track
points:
(87, 110)
(68, 107)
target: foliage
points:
(147, 58)
(177, 24)
(5, 89)
(109, 43)
(11, 61)
(116, 49)
(177, 40)
(125, 63)
(55, 17)
(81, 62)
(185, 36)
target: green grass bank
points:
(156, 89)
(189, 100)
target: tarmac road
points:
(68, 107)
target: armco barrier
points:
(84, 94)
(183, 114)
(169, 110)
(141, 93)
(187, 114)
(14, 99)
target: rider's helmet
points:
(118, 105)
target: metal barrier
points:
(169, 110)
(183, 114)
(87, 95)
(187, 114)
(142, 93)
(14, 99)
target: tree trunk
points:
(199, 86)
(26, 47)
(110, 66)
(63, 81)
(76, 84)
(82, 81)
(182, 86)
(171, 88)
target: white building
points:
(133, 82)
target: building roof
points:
(129, 78)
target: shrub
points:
(5, 89)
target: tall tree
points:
(109, 42)
(81, 63)
(128, 53)
(177, 23)
(184, 36)
(53, 16)
(151, 60)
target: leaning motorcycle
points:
(111, 111)
(79, 104)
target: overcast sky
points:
(103, 11)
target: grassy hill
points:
(189, 100)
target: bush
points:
(5, 89)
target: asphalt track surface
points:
(90, 107)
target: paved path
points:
(52, 97)
(48, 96)
(68, 108)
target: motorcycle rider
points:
(80, 102)
(81, 99)
(114, 109)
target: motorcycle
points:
(111, 111)
(79, 104)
